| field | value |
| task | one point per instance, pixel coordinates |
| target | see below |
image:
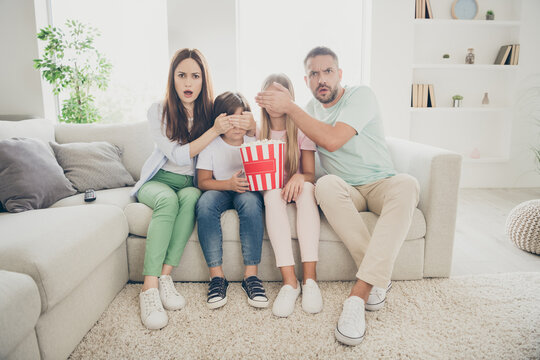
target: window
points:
(134, 39)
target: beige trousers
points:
(393, 199)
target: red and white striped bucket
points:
(263, 164)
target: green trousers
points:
(173, 199)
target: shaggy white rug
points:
(474, 317)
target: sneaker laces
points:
(380, 293)
(168, 287)
(152, 302)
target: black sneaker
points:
(255, 292)
(217, 292)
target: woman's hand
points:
(222, 124)
(244, 121)
(238, 184)
(293, 188)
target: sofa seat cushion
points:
(139, 215)
(19, 310)
(120, 197)
(60, 247)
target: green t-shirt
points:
(365, 157)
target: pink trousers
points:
(307, 225)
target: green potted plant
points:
(490, 15)
(457, 100)
(71, 63)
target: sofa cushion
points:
(120, 197)
(95, 165)
(139, 215)
(30, 177)
(19, 310)
(132, 138)
(60, 247)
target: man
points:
(345, 124)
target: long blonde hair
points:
(293, 154)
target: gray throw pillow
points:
(30, 177)
(95, 165)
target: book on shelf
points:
(423, 9)
(502, 55)
(429, 12)
(508, 55)
(512, 55)
(422, 95)
(431, 96)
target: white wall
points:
(391, 58)
(20, 86)
(519, 171)
(209, 26)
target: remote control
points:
(89, 195)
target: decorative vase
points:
(457, 102)
(485, 100)
(469, 59)
(490, 16)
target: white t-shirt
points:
(175, 168)
(223, 159)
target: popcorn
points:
(263, 164)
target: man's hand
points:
(293, 188)
(244, 121)
(277, 101)
(238, 184)
(222, 124)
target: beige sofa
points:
(69, 261)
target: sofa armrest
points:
(20, 307)
(438, 172)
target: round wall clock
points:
(464, 9)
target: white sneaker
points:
(351, 326)
(170, 298)
(311, 297)
(285, 301)
(377, 297)
(153, 315)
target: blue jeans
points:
(249, 206)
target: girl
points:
(219, 168)
(181, 127)
(299, 175)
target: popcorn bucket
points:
(263, 164)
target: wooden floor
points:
(481, 245)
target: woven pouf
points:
(523, 226)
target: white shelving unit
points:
(473, 127)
